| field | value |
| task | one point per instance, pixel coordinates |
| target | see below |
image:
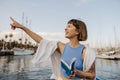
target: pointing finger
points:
(12, 27)
(12, 19)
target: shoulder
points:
(83, 53)
(88, 49)
(90, 52)
(61, 46)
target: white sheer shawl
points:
(47, 49)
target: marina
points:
(6, 52)
(113, 57)
(110, 55)
(21, 68)
(26, 23)
(16, 52)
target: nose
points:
(66, 29)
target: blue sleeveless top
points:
(69, 54)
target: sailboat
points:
(113, 54)
(4, 51)
(24, 37)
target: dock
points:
(111, 57)
(6, 52)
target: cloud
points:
(52, 36)
(56, 36)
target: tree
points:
(6, 36)
(3, 44)
(20, 42)
(10, 35)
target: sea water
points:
(21, 68)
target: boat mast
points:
(22, 34)
(115, 37)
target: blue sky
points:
(102, 17)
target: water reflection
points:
(108, 69)
(20, 68)
(4, 63)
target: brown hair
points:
(82, 36)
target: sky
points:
(50, 17)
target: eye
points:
(68, 26)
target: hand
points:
(72, 75)
(78, 72)
(15, 24)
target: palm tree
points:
(20, 42)
(6, 36)
(5, 43)
(10, 35)
(26, 43)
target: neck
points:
(74, 43)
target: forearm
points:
(87, 75)
(33, 35)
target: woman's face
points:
(71, 31)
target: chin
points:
(67, 37)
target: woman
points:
(75, 31)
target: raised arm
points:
(33, 35)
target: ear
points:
(77, 31)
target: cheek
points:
(72, 31)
